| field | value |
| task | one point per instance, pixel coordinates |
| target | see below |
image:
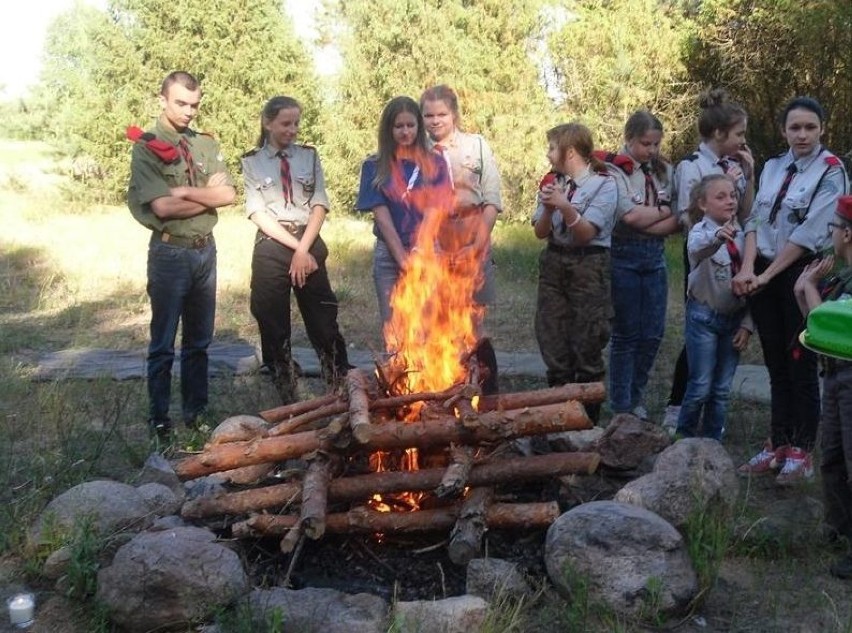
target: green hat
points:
(829, 330)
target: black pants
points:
(793, 376)
(270, 306)
(836, 448)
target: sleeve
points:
(539, 209)
(602, 206)
(320, 195)
(254, 197)
(811, 233)
(369, 196)
(702, 242)
(146, 176)
(622, 184)
(686, 177)
(490, 183)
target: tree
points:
(103, 70)
(767, 51)
(482, 48)
(612, 57)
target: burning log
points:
(492, 427)
(360, 487)
(466, 537)
(455, 478)
(362, 519)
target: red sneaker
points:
(765, 461)
(797, 467)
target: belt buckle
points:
(200, 242)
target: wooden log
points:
(359, 402)
(584, 392)
(492, 427)
(281, 413)
(298, 422)
(315, 494)
(279, 497)
(455, 477)
(466, 536)
(362, 519)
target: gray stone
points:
(787, 524)
(167, 523)
(57, 563)
(633, 560)
(239, 428)
(315, 610)
(691, 477)
(161, 499)
(158, 470)
(109, 505)
(169, 578)
(629, 441)
(492, 577)
(462, 614)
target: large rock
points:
(109, 506)
(491, 578)
(629, 441)
(315, 610)
(690, 478)
(170, 578)
(462, 614)
(633, 560)
(242, 428)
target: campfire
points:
(413, 446)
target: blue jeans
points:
(639, 295)
(182, 288)
(386, 273)
(712, 362)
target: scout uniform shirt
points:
(595, 199)
(475, 176)
(692, 169)
(265, 190)
(806, 207)
(712, 269)
(151, 178)
(632, 192)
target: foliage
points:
(612, 57)
(481, 48)
(103, 71)
(767, 51)
(85, 546)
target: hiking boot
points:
(161, 429)
(670, 419)
(640, 412)
(797, 467)
(765, 461)
(842, 568)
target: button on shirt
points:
(806, 208)
(264, 189)
(595, 199)
(631, 193)
(690, 171)
(152, 178)
(475, 176)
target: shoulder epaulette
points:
(622, 161)
(163, 150)
(692, 157)
(832, 161)
(251, 152)
(310, 147)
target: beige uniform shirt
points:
(476, 179)
(264, 189)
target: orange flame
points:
(434, 317)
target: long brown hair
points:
(578, 137)
(637, 125)
(388, 147)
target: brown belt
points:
(580, 251)
(183, 242)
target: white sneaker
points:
(670, 419)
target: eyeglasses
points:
(835, 225)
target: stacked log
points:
(468, 434)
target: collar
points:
(709, 154)
(626, 152)
(583, 176)
(805, 161)
(271, 152)
(165, 131)
(451, 141)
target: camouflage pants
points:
(573, 313)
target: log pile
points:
(462, 443)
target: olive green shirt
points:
(151, 178)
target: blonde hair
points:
(699, 194)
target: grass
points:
(72, 274)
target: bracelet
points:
(574, 222)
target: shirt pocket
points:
(471, 170)
(304, 185)
(798, 206)
(721, 263)
(270, 191)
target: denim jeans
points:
(712, 362)
(639, 295)
(386, 273)
(182, 288)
